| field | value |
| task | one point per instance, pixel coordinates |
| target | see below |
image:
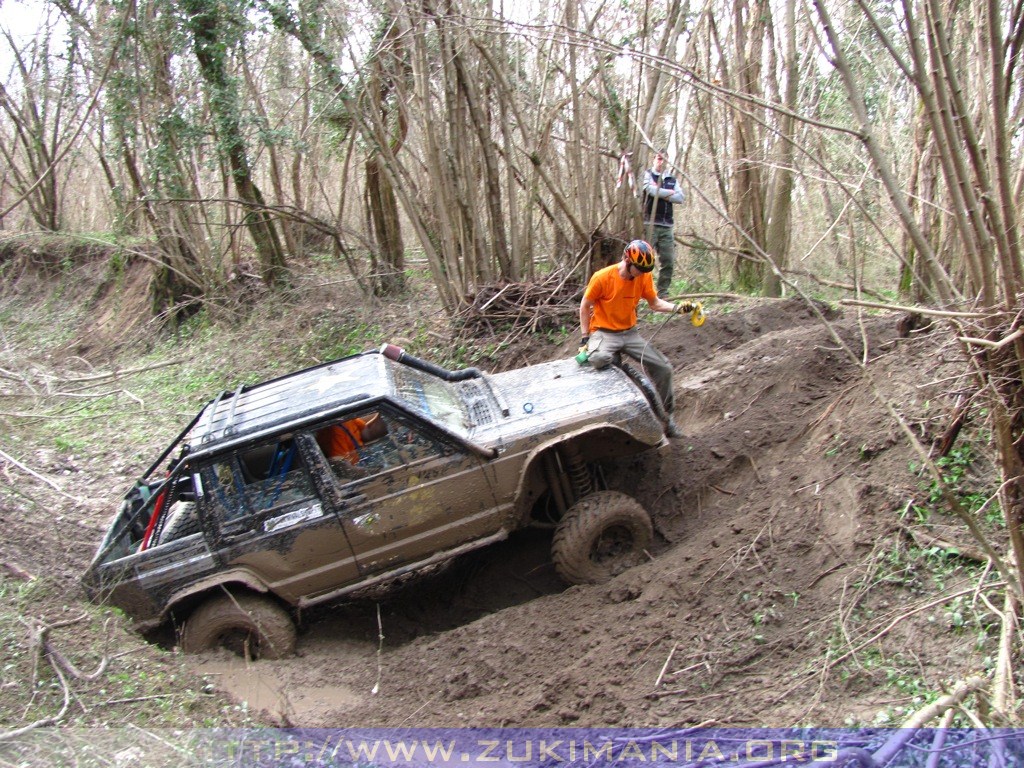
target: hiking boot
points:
(672, 430)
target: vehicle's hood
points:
(563, 395)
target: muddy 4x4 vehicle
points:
(296, 491)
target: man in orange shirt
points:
(345, 439)
(608, 319)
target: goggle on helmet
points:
(640, 255)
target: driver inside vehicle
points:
(344, 439)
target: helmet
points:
(640, 254)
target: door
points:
(269, 518)
(405, 491)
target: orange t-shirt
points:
(341, 439)
(615, 299)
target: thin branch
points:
(918, 310)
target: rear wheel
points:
(600, 536)
(249, 625)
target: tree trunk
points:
(204, 21)
(777, 237)
(747, 200)
(389, 270)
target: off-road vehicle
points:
(292, 492)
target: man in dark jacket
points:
(661, 192)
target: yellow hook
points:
(697, 316)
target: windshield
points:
(433, 397)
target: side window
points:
(258, 479)
(180, 519)
(368, 443)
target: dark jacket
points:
(660, 193)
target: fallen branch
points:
(40, 648)
(125, 372)
(17, 571)
(42, 723)
(960, 692)
(19, 465)
(926, 541)
(133, 699)
(993, 344)
(694, 700)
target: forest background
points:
(856, 149)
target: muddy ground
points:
(781, 555)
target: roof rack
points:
(229, 428)
(208, 427)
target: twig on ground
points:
(926, 540)
(17, 571)
(903, 617)
(37, 646)
(823, 574)
(680, 691)
(153, 736)
(829, 664)
(125, 372)
(824, 414)
(380, 651)
(690, 668)
(664, 666)
(753, 466)
(133, 699)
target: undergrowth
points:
(106, 681)
(926, 580)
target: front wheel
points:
(249, 625)
(600, 536)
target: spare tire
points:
(600, 536)
(249, 625)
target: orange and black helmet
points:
(640, 254)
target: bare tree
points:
(39, 115)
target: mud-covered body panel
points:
(253, 489)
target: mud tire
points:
(248, 625)
(600, 536)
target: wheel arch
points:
(594, 443)
(183, 602)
